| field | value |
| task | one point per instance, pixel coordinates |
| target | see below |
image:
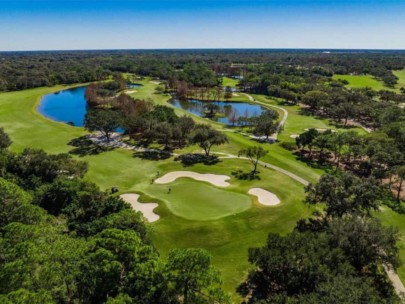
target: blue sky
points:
(133, 24)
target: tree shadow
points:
(191, 159)
(84, 146)
(155, 155)
(311, 162)
(239, 174)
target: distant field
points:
(230, 82)
(363, 81)
(401, 81)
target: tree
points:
(307, 139)
(192, 278)
(5, 140)
(345, 194)
(228, 93)
(205, 137)
(401, 177)
(314, 98)
(118, 261)
(254, 154)
(233, 116)
(103, 120)
(264, 124)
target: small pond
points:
(224, 110)
(133, 85)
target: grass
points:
(401, 78)
(363, 81)
(229, 82)
(208, 203)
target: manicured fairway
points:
(229, 82)
(199, 201)
(363, 81)
(401, 78)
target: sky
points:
(162, 24)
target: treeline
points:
(22, 70)
(62, 240)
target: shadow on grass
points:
(152, 155)
(84, 146)
(239, 174)
(312, 162)
(191, 159)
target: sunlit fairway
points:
(229, 82)
(364, 81)
(226, 221)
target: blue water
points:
(65, 106)
(197, 107)
(133, 85)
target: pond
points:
(67, 106)
(133, 85)
(224, 109)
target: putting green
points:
(200, 201)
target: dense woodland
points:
(22, 70)
(65, 241)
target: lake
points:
(67, 106)
(225, 108)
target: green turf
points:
(401, 78)
(363, 81)
(229, 82)
(207, 203)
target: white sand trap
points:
(265, 197)
(131, 92)
(294, 136)
(235, 94)
(146, 208)
(215, 179)
(155, 82)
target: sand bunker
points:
(146, 208)
(214, 179)
(294, 136)
(235, 94)
(154, 82)
(265, 197)
(131, 91)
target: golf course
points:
(201, 205)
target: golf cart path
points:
(266, 165)
(283, 119)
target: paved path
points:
(283, 119)
(395, 280)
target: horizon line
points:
(206, 48)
